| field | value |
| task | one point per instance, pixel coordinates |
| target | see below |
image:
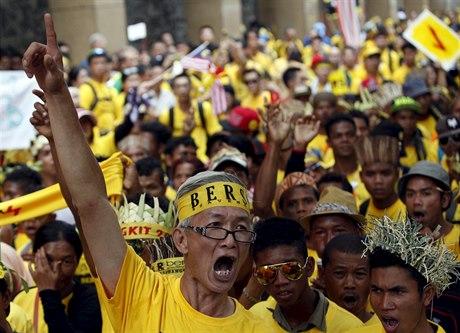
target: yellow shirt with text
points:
(147, 301)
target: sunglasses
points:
(452, 138)
(292, 270)
(247, 82)
(138, 245)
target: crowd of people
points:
(322, 198)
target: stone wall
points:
(21, 22)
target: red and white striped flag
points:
(218, 99)
(349, 22)
(196, 63)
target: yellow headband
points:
(141, 230)
(219, 194)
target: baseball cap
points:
(447, 125)
(405, 103)
(98, 52)
(243, 119)
(370, 51)
(428, 169)
(228, 154)
(82, 113)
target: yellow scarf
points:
(50, 199)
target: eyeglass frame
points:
(202, 231)
(277, 267)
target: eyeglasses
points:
(138, 245)
(292, 270)
(218, 233)
(450, 138)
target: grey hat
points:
(414, 87)
(427, 169)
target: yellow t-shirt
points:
(429, 123)
(452, 240)
(321, 149)
(28, 300)
(359, 189)
(337, 319)
(410, 159)
(19, 320)
(399, 75)
(199, 134)
(256, 102)
(396, 209)
(103, 146)
(107, 110)
(147, 301)
(344, 81)
(373, 321)
(378, 328)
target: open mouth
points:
(418, 215)
(390, 324)
(350, 301)
(223, 266)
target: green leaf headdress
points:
(427, 255)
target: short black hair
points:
(173, 143)
(381, 258)
(289, 74)
(358, 114)
(73, 74)
(279, 231)
(183, 74)
(324, 97)
(160, 132)
(338, 118)
(25, 177)
(57, 231)
(313, 190)
(147, 165)
(344, 243)
(334, 177)
(242, 143)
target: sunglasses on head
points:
(453, 138)
(292, 270)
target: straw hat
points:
(334, 201)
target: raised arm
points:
(278, 128)
(80, 172)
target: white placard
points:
(137, 31)
(16, 107)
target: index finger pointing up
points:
(51, 39)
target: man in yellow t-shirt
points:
(189, 117)
(426, 191)
(97, 96)
(283, 268)
(379, 160)
(214, 232)
(256, 97)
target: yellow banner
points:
(212, 195)
(136, 230)
(435, 39)
(50, 198)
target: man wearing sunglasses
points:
(214, 232)
(283, 268)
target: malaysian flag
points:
(196, 63)
(218, 99)
(349, 22)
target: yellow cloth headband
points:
(219, 194)
(138, 230)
